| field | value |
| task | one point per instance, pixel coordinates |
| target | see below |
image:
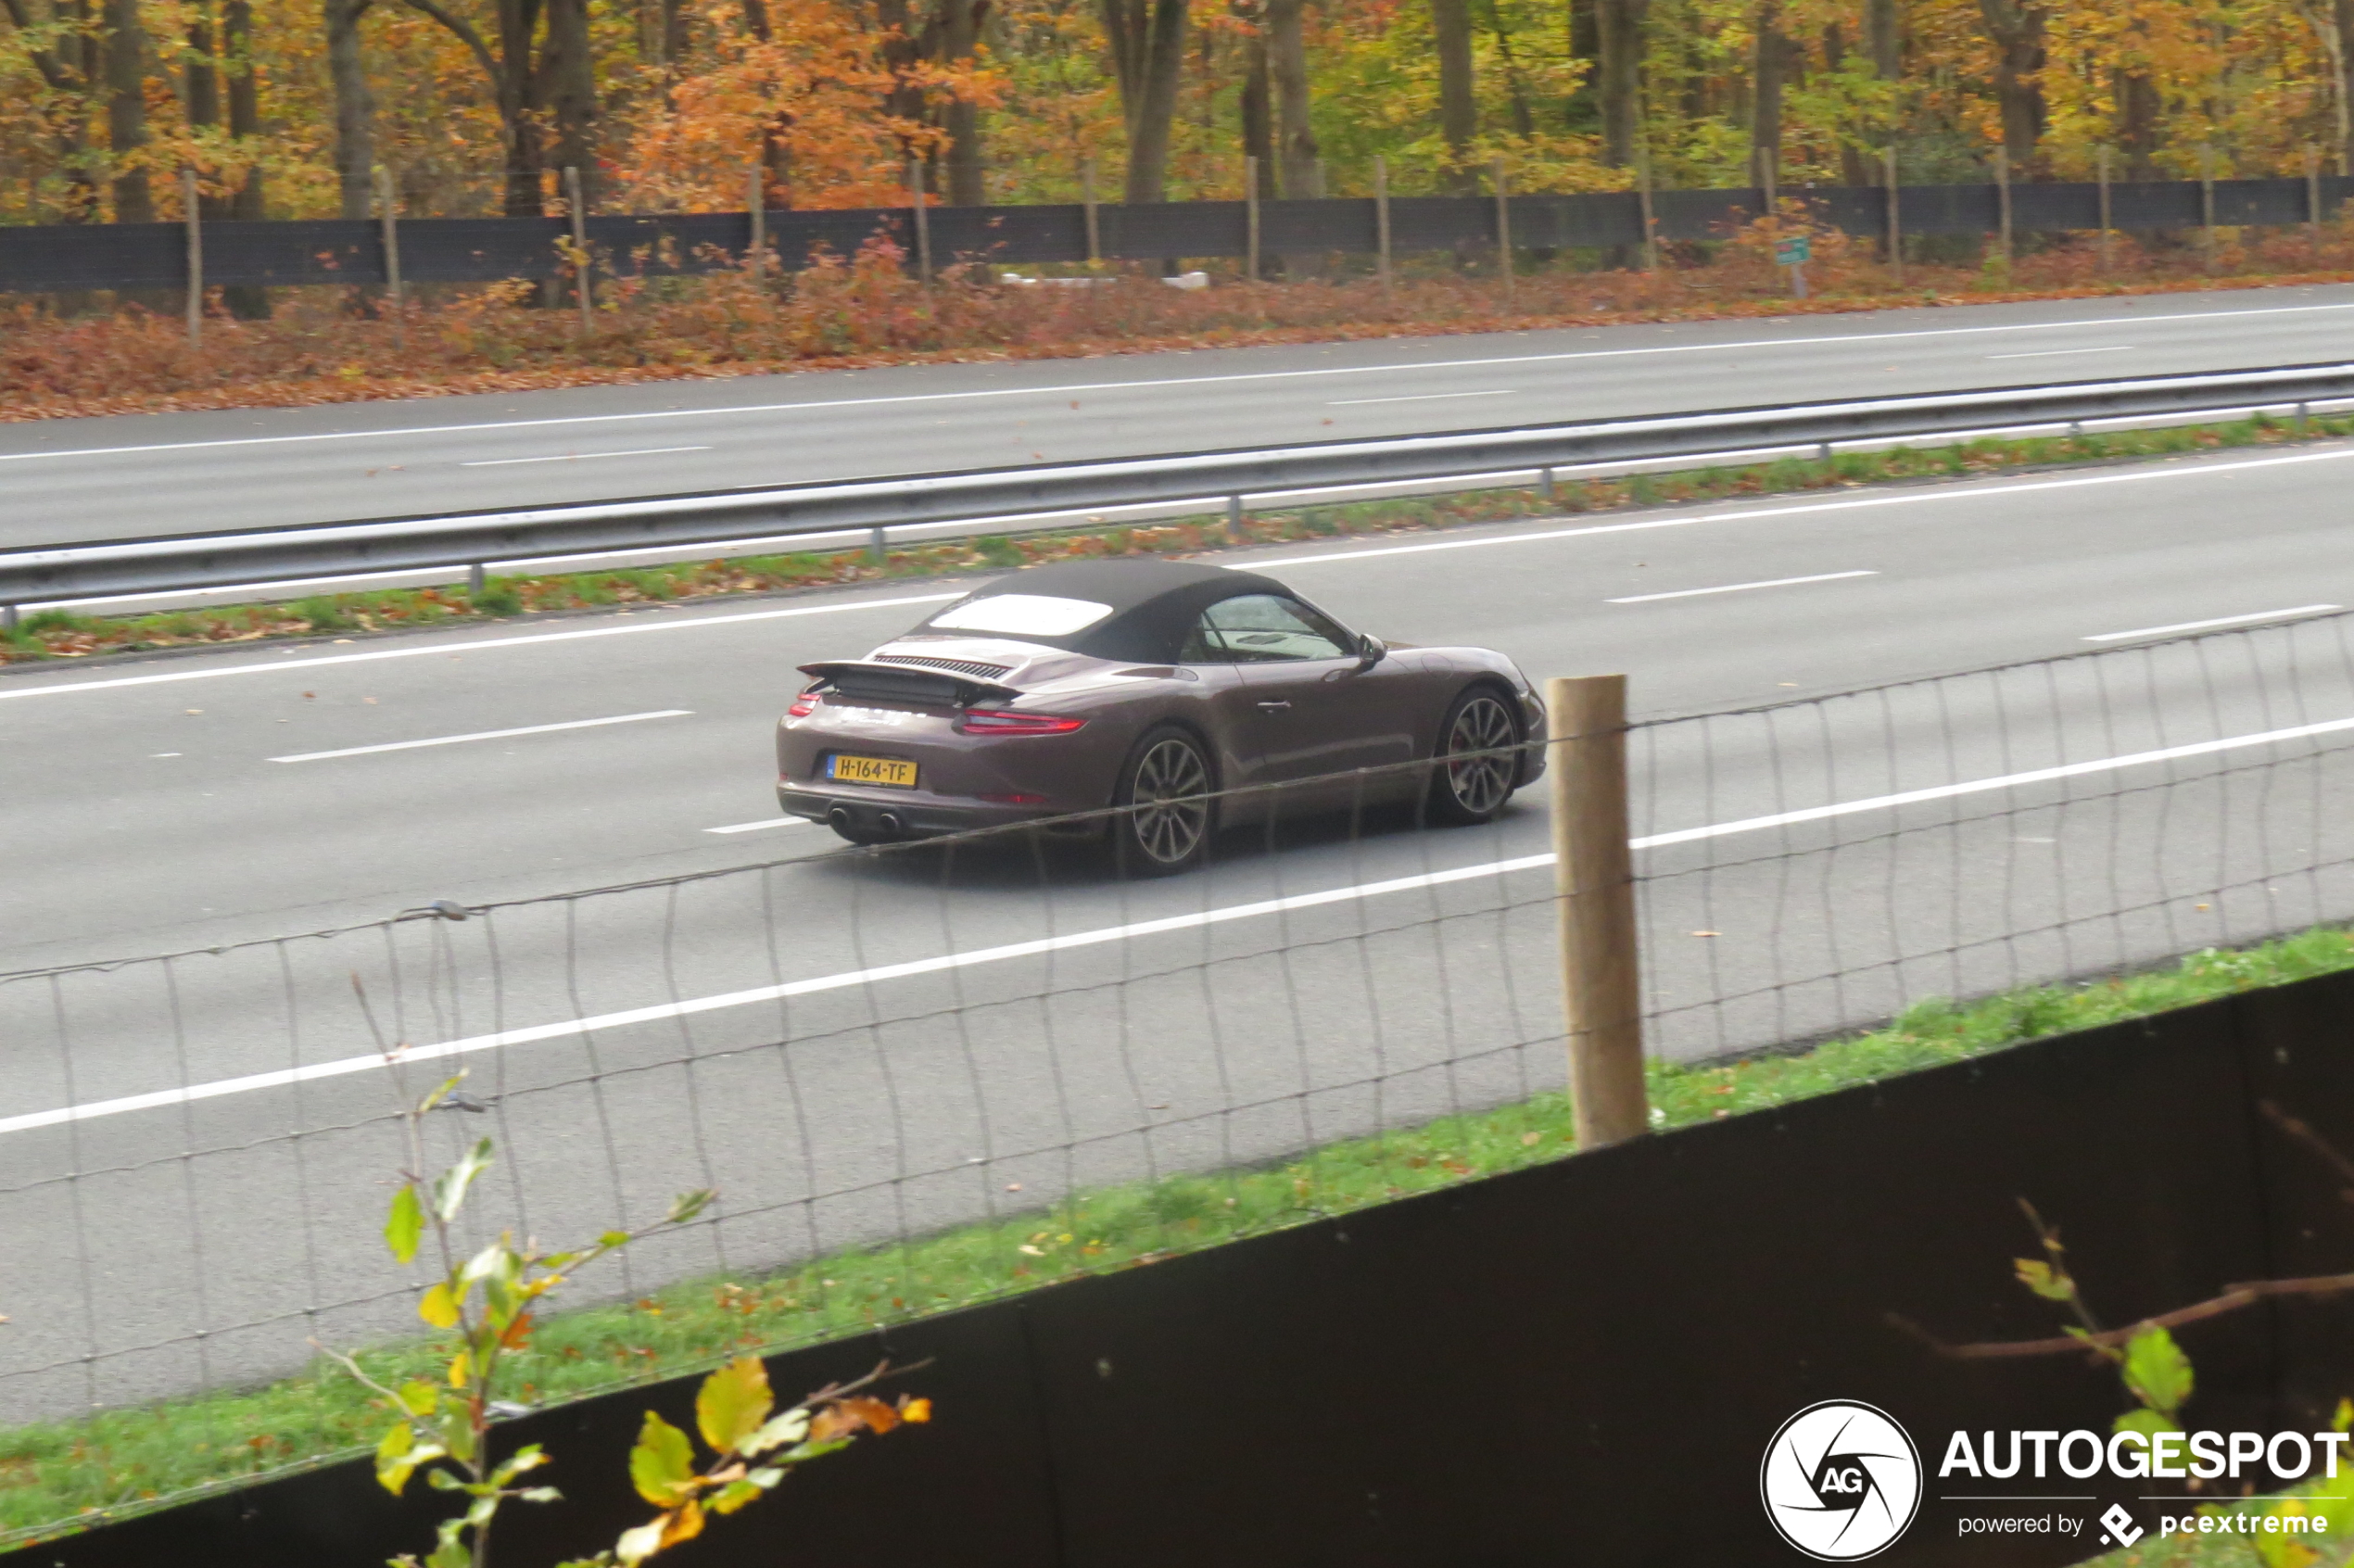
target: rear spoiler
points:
(899, 683)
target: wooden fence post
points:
(923, 218)
(1250, 209)
(2105, 209)
(196, 257)
(2003, 197)
(1594, 878)
(1087, 196)
(1381, 221)
(756, 214)
(581, 283)
(2206, 203)
(1643, 209)
(1895, 222)
(1504, 232)
(2313, 198)
(388, 225)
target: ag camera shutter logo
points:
(1841, 1480)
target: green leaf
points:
(405, 1226)
(440, 1094)
(611, 1239)
(397, 1457)
(439, 1306)
(686, 1205)
(449, 1187)
(734, 1494)
(2144, 1420)
(638, 1545)
(663, 1464)
(540, 1495)
(790, 1427)
(420, 1398)
(2156, 1371)
(732, 1403)
(2044, 1280)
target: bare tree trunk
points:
(2342, 27)
(571, 72)
(1769, 64)
(1147, 40)
(1458, 108)
(1884, 37)
(201, 96)
(524, 195)
(1619, 39)
(2016, 29)
(960, 22)
(246, 204)
(126, 75)
(355, 107)
(1295, 149)
(1258, 113)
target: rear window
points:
(1021, 614)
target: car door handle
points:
(1275, 707)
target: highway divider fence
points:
(917, 1073)
(346, 252)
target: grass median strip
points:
(59, 1476)
(63, 634)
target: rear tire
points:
(1474, 789)
(1165, 820)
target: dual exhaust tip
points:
(888, 822)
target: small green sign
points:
(1792, 251)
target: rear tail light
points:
(802, 705)
(999, 720)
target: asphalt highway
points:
(976, 1033)
(72, 480)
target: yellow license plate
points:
(872, 770)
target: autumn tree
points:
(1147, 42)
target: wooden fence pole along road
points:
(923, 219)
(1087, 197)
(2104, 213)
(2003, 197)
(2313, 198)
(388, 216)
(1504, 232)
(756, 208)
(580, 282)
(196, 257)
(1381, 221)
(1594, 878)
(1250, 212)
(1895, 222)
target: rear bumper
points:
(914, 813)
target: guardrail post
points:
(196, 257)
(7, 620)
(1545, 483)
(1594, 881)
(1381, 221)
(476, 576)
(879, 545)
(1235, 521)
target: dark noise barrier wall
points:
(1581, 1363)
(324, 252)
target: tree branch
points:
(467, 35)
(2233, 1299)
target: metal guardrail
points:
(875, 507)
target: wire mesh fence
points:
(935, 1056)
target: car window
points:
(1262, 629)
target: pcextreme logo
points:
(1841, 1480)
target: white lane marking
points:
(1962, 490)
(578, 457)
(1170, 381)
(527, 640)
(2217, 621)
(485, 735)
(2059, 353)
(756, 827)
(1417, 397)
(569, 1028)
(1739, 588)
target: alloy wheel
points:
(1480, 763)
(1170, 814)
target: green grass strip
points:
(70, 635)
(56, 1476)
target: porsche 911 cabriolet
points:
(1169, 689)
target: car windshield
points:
(1021, 614)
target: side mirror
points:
(1371, 651)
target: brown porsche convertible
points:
(1151, 683)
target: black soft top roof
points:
(1154, 603)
